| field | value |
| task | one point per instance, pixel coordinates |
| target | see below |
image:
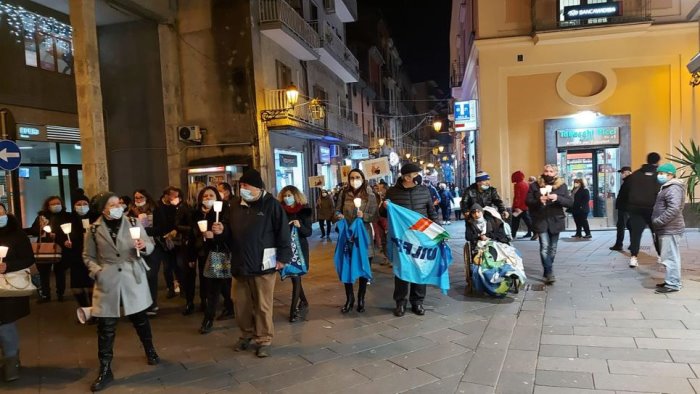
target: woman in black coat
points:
(580, 209)
(72, 251)
(19, 256)
(299, 214)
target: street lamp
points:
(441, 148)
(437, 125)
(292, 94)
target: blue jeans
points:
(671, 258)
(9, 339)
(548, 249)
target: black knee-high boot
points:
(106, 331)
(296, 288)
(350, 298)
(143, 329)
(361, 291)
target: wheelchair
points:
(468, 258)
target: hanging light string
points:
(25, 25)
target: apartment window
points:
(284, 75)
(355, 118)
(48, 52)
(354, 90)
(320, 94)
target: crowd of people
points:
(234, 246)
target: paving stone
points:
(644, 323)
(567, 390)
(469, 341)
(396, 383)
(428, 355)
(615, 332)
(379, 369)
(525, 338)
(571, 364)
(558, 330)
(564, 379)
(609, 314)
(326, 384)
(485, 367)
(589, 340)
(642, 383)
(359, 344)
(671, 344)
(473, 388)
(594, 322)
(650, 368)
(685, 356)
(558, 351)
(677, 333)
(444, 335)
(449, 366)
(447, 385)
(276, 365)
(520, 361)
(515, 383)
(318, 355)
(624, 354)
(426, 326)
(671, 315)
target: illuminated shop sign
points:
(465, 115)
(31, 132)
(589, 11)
(592, 136)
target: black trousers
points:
(622, 225)
(153, 262)
(172, 266)
(59, 270)
(581, 221)
(401, 290)
(446, 212)
(214, 288)
(515, 222)
(107, 329)
(190, 275)
(327, 229)
(638, 221)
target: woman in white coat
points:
(120, 280)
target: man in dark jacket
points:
(481, 192)
(547, 199)
(638, 195)
(260, 244)
(622, 216)
(171, 227)
(409, 193)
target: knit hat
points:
(482, 176)
(80, 197)
(476, 207)
(668, 168)
(252, 177)
(410, 168)
(625, 168)
(100, 200)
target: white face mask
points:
(208, 203)
(140, 203)
(116, 213)
(356, 183)
(175, 201)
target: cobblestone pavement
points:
(600, 328)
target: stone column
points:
(89, 93)
(172, 100)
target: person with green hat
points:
(667, 219)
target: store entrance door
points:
(599, 169)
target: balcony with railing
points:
(336, 56)
(282, 24)
(345, 9)
(551, 15)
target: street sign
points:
(465, 114)
(10, 155)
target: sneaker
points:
(177, 287)
(549, 279)
(665, 290)
(662, 284)
(633, 262)
(241, 345)
(263, 351)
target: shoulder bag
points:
(16, 284)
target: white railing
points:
(330, 7)
(335, 44)
(280, 11)
(343, 126)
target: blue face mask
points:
(3, 221)
(289, 200)
(247, 195)
(55, 208)
(661, 178)
(82, 210)
(116, 213)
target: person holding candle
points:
(72, 250)
(547, 199)
(347, 209)
(115, 261)
(19, 256)
(51, 217)
(142, 208)
(300, 217)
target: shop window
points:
(48, 52)
(71, 153)
(30, 56)
(289, 169)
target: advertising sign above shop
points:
(31, 132)
(288, 161)
(592, 136)
(590, 11)
(465, 115)
(359, 154)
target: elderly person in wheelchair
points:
(493, 265)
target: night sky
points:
(421, 32)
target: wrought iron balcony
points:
(281, 23)
(552, 14)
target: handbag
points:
(297, 266)
(218, 265)
(46, 252)
(16, 284)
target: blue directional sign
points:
(10, 155)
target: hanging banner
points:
(344, 172)
(375, 168)
(317, 181)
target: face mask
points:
(116, 213)
(356, 183)
(140, 203)
(3, 221)
(123, 207)
(548, 178)
(324, 195)
(661, 178)
(289, 200)
(485, 187)
(55, 208)
(82, 210)
(480, 220)
(247, 195)
(208, 203)
(175, 201)
(418, 179)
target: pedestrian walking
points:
(299, 215)
(113, 255)
(481, 192)
(357, 188)
(260, 244)
(20, 256)
(197, 253)
(409, 193)
(520, 210)
(622, 215)
(581, 209)
(324, 212)
(53, 215)
(446, 201)
(667, 219)
(169, 227)
(638, 195)
(546, 200)
(143, 209)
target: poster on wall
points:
(344, 172)
(317, 181)
(376, 168)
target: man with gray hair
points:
(547, 199)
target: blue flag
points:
(351, 257)
(297, 266)
(417, 248)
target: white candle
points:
(218, 206)
(67, 228)
(358, 202)
(47, 229)
(543, 191)
(3, 252)
(203, 227)
(136, 234)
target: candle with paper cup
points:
(136, 234)
(86, 224)
(358, 202)
(67, 228)
(3, 253)
(84, 314)
(47, 229)
(203, 228)
(218, 206)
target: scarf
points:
(293, 209)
